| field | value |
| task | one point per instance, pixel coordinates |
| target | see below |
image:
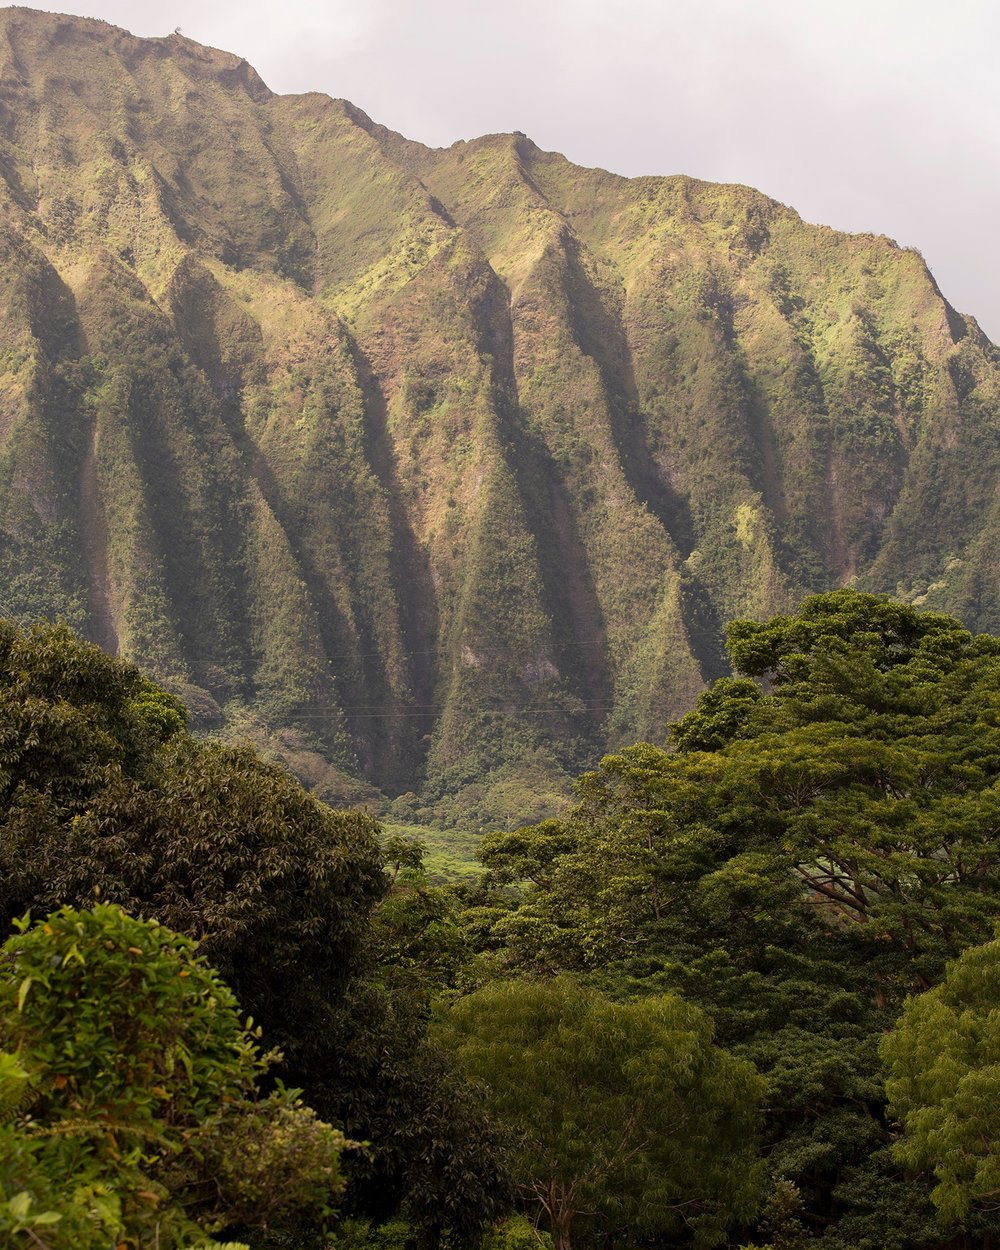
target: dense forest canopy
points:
(627, 1117)
(715, 1004)
(821, 841)
(105, 796)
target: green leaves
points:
(146, 1013)
(872, 629)
(623, 1111)
(104, 797)
(19, 1215)
(22, 991)
(129, 1087)
(108, 798)
(818, 847)
(943, 1060)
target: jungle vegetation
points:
(741, 994)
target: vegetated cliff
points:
(443, 467)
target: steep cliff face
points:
(443, 466)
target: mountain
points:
(442, 468)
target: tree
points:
(621, 1113)
(103, 794)
(807, 856)
(943, 1062)
(133, 1086)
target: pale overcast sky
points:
(878, 115)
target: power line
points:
(368, 655)
(295, 718)
(9, 612)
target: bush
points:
(130, 1086)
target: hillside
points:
(441, 468)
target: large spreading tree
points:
(823, 837)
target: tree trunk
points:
(561, 1216)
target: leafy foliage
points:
(826, 859)
(142, 1082)
(106, 797)
(942, 1059)
(622, 1114)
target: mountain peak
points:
(440, 470)
(61, 40)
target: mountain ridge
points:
(443, 467)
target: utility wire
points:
(367, 655)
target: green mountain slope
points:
(442, 468)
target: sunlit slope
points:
(443, 466)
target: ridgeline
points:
(437, 471)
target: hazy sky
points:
(879, 115)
